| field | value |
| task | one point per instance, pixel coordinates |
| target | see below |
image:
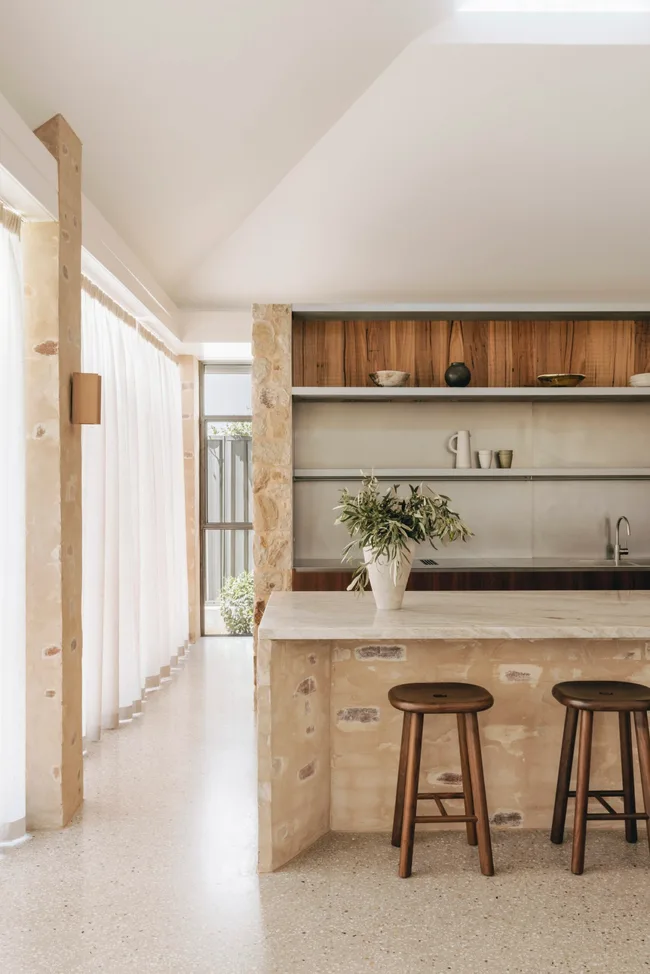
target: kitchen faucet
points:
(618, 551)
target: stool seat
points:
(603, 695)
(440, 698)
(583, 699)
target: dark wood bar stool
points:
(583, 699)
(466, 701)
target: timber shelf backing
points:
(500, 353)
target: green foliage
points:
(238, 429)
(241, 430)
(236, 604)
(387, 522)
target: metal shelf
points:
(515, 473)
(469, 394)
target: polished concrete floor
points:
(158, 874)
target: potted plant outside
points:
(236, 604)
(387, 529)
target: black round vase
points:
(458, 374)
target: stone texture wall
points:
(329, 740)
(52, 267)
(189, 367)
(520, 735)
(293, 747)
(272, 453)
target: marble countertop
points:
(459, 615)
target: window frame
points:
(206, 525)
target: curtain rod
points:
(119, 312)
(9, 219)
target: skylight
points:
(555, 6)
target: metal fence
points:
(228, 536)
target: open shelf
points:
(470, 394)
(514, 473)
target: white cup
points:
(485, 458)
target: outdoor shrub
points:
(236, 604)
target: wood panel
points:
(426, 352)
(483, 581)
(642, 345)
(511, 353)
(609, 352)
(499, 352)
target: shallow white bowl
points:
(640, 379)
(388, 377)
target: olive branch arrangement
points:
(386, 523)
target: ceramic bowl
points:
(640, 379)
(390, 378)
(560, 379)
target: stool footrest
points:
(610, 812)
(623, 816)
(438, 797)
(430, 819)
(601, 794)
(432, 795)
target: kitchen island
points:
(329, 741)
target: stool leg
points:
(582, 792)
(411, 795)
(478, 787)
(564, 775)
(401, 781)
(627, 766)
(643, 747)
(467, 778)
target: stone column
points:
(189, 367)
(52, 268)
(272, 452)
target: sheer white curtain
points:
(12, 536)
(135, 606)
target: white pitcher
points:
(461, 448)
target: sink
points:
(595, 562)
(609, 563)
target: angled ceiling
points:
(316, 152)
(482, 174)
(190, 113)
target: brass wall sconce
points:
(86, 399)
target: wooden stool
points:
(464, 700)
(582, 699)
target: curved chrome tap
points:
(618, 550)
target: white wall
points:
(522, 519)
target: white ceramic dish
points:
(388, 377)
(640, 379)
(560, 379)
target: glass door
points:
(226, 501)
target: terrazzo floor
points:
(158, 874)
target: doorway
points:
(226, 500)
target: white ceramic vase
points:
(388, 587)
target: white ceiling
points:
(303, 151)
(191, 112)
(463, 174)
